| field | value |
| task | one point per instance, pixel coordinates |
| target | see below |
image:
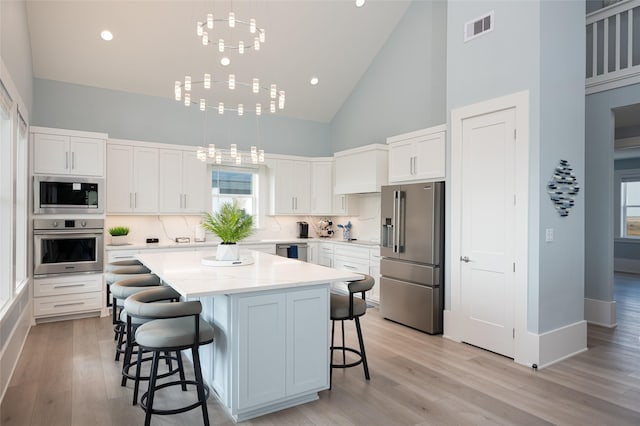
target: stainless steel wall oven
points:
(63, 246)
(68, 195)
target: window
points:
(239, 185)
(21, 202)
(630, 208)
(6, 205)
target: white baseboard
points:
(600, 312)
(562, 343)
(630, 266)
(15, 343)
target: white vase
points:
(119, 240)
(227, 252)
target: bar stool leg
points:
(181, 369)
(344, 352)
(152, 387)
(363, 355)
(200, 385)
(333, 329)
(136, 385)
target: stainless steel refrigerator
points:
(412, 247)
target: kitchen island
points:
(271, 321)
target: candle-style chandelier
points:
(231, 155)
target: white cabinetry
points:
(312, 252)
(361, 170)
(291, 182)
(65, 295)
(374, 271)
(325, 254)
(350, 258)
(67, 152)
(132, 179)
(418, 155)
(321, 187)
(280, 352)
(183, 180)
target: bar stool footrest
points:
(143, 398)
(342, 348)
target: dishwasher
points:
(292, 251)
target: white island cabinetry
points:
(271, 321)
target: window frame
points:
(259, 200)
(620, 208)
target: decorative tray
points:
(212, 261)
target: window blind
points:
(5, 99)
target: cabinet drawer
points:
(70, 285)
(355, 252)
(351, 264)
(115, 255)
(66, 304)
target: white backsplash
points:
(166, 228)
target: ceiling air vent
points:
(477, 27)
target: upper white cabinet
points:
(418, 155)
(183, 181)
(321, 187)
(132, 179)
(68, 152)
(361, 170)
(291, 182)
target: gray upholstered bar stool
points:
(120, 290)
(121, 269)
(349, 307)
(179, 327)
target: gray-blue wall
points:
(404, 87)
(530, 39)
(15, 48)
(139, 117)
(599, 235)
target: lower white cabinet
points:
(263, 247)
(350, 258)
(279, 353)
(374, 271)
(64, 295)
(325, 254)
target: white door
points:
(487, 278)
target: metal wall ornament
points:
(563, 188)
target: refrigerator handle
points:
(401, 220)
(396, 221)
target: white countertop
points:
(185, 273)
(212, 244)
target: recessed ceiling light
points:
(225, 61)
(360, 3)
(106, 35)
(314, 81)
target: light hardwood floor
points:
(67, 376)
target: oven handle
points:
(87, 232)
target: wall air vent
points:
(479, 26)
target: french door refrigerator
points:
(412, 250)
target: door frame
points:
(525, 344)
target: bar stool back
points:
(349, 307)
(179, 327)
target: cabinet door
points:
(170, 190)
(401, 157)
(321, 187)
(145, 178)
(302, 184)
(429, 162)
(307, 340)
(312, 253)
(194, 183)
(374, 271)
(283, 187)
(51, 154)
(262, 351)
(119, 179)
(87, 156)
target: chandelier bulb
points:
(256, 44)
(252, 25)
(272, 107)
(232, 20)
(218, 158)
(261, 156)
(281, 100)
(203, 105)
(212, 150)
(241, 47)
(187, 99)
(210, 21)
(238, 160)
(256, 85)
(187, 83)
(178, 94)
(199, 28)
(233, 150)
(232, 81)
(221, 108)
(205, 38)
(258, 109)
(221, 46)
(240, 110)
(261, 36)
(273, 91)
(207, 81)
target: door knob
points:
(465, 259)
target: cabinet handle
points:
(349, 267)
(68, 285)
(66, 160)
(343, 201)
(135, 200)
(73, 161)
(296, 203)
(68, 304)
(131, 200)
(185, 201)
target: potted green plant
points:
(231, 224)
(119, 235)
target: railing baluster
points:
(605, 46)
(595, 49)
(630, 39)
(618, 63)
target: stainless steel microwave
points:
(68, 195)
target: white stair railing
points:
(613, 46)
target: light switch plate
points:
(548, 237)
